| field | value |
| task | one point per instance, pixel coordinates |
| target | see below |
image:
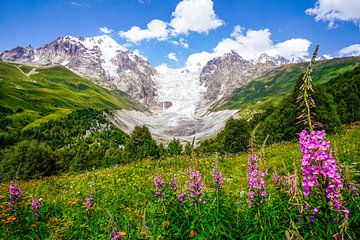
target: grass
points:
(52, 92)
(123, 194)
(277, 82)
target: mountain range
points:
(175, 102)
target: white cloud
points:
(196, 16)
(336, 10)
(189, 16)
(105, 30)
(182, 42)
(156, 29)
(250, 45)
(80, 5)
(352, 50)
(172, 56)
(292, 48)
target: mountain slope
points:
(273, 84)
(100, 59)
(46, 93)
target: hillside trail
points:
(32, 71)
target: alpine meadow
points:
(182, 119)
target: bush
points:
(33, 159)
(140, 145)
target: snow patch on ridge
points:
(108, 48)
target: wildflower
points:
(182, 196)
(88, 204)
(256, 179)
(197, 187)
(317, 160)
(218, 179)
(312, 218)
(316, 211)
(118, 235)
(346, 212)
(35, 204)
(14, 193)
(159, 186)
(277, 179)
(173, 184)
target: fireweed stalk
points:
(218, 179)
(196, 187)
(35, 204)
(14, 194)
(256, 179)
(318, 166)
(159, 187)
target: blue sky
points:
(262, 25)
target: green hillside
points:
(41, 94)
(279, 81)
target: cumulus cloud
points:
(196, 16)
(105, 30)
(251, 44)
(156, 29)
(172, 56)
(336, 10)
(189, 16)
(352, 50)
(182, 42)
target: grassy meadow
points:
(126, 206)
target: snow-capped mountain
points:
(222, 76)
(100, 59)
(272, 61)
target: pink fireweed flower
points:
(277, 179)
(182, 196)
(196, 187)
(218, 179)
(173, 184)
(256, 179)
(14, 194)
(88, 204)
(35, 204)
(159, 186)
(317, 160)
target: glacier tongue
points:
(181, 87)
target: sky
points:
(182, 32)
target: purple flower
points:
(315, 211)
(173, 184)
(196, 187)
(312, 219)
(35, 204)
(317, 160)
(14, 194)
(346, 212)
(182, 196)
(218, 179)
(88, 203)
(256, 178)
(159, 186)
